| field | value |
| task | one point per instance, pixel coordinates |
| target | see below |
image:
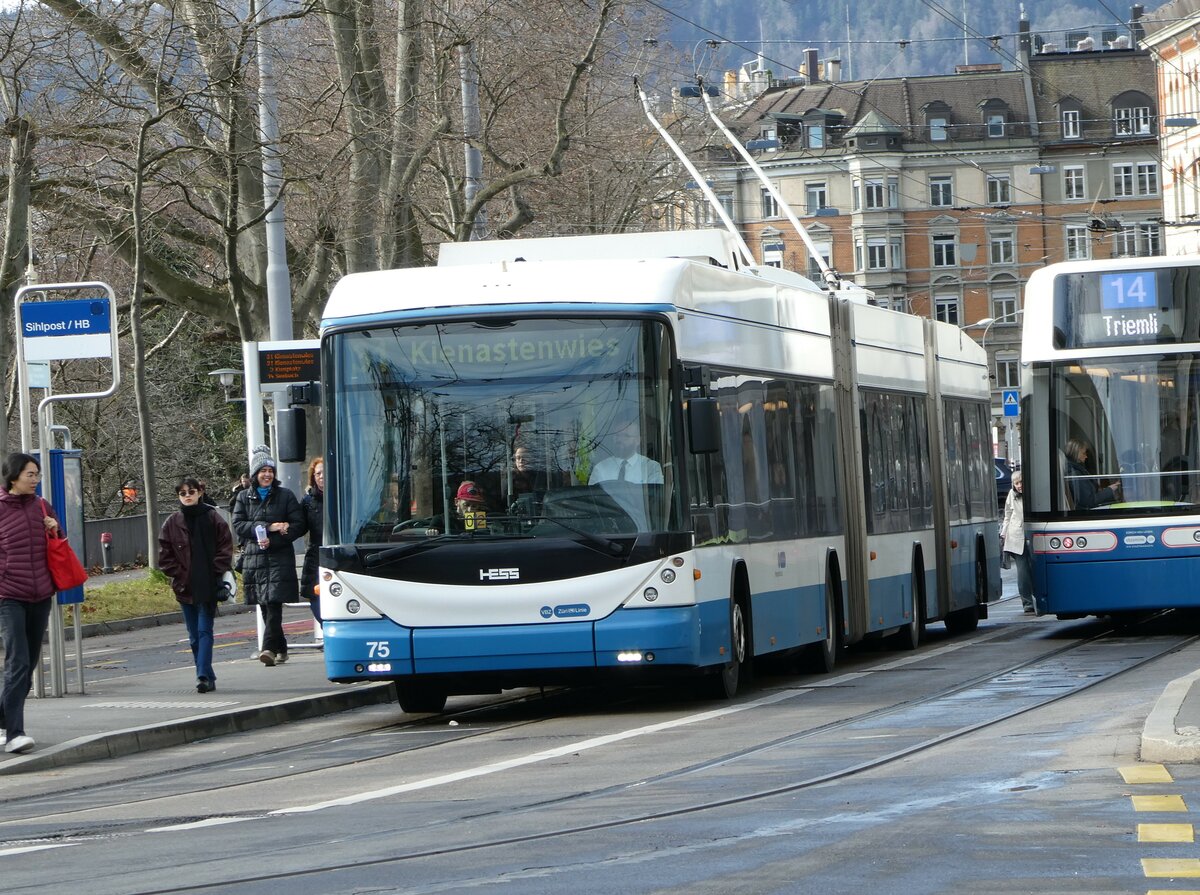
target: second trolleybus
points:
(1110, 408)
(553, 459)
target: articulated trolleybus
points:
(555, 459)
(1110, 407)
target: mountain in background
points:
(864, 33)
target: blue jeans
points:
(199, 623)
(22, 625)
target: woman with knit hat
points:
(267, 518)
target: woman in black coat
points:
(313, 504)
(195, 549)
(267, 518)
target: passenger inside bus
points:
(1084, 492)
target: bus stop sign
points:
(1011, 401)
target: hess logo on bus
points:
(499, 574)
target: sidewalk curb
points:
(117, 743)
(1161, 741)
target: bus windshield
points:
(1127, 435)
(519, 428)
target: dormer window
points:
(1072, 128)
(1132, 115)
(995, 117)
(937, 120)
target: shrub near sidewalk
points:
(126, 599)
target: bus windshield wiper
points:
(604, 545)
(391, 554)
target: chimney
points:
(731, 83)
(810, 65)
(1136, 31)
(833, 69)
(1024, 49)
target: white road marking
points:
(534, 758)
(25, 849)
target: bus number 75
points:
(378, 649)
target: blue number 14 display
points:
(1127, 291)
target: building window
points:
(945, 307)
(1000, 247)
(995, 125)
(816, 136)
(999, 189)
(772, 253)
(944, 250)
(1008, 371)
(877, 254)
(815, 196)
(1132, 122)
(1074, 186)
(710, 215)
(856, 195)
(825, 250)
(1071, 129)
(937, 129)
(1137, 240)
(1004, 306)
(1147, 178)
(1122, 179)
(1078, 243)
(941, 190)
(770, 208)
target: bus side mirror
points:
(704, 426)
(291, 434)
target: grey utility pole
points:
(471, 127)
(279, 285)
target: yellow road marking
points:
(1158, 803)
(1166, 833)
(1145, 773)
(1171, 866)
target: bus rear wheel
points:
(420, 699)
(820, 657)
(964, 621)
(909, 637)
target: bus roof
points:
(760, 295)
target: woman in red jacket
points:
(26, 590)
(195, 549)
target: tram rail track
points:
(1023, 687)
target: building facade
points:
(942, 194)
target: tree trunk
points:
(149, 484)
(16, 241)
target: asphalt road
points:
(943, 770)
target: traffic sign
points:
(65, 330)
(1012, 402)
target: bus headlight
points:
(667, 575)
(352, 606)
(335, 590)
(651, 594)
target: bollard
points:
(106, 549)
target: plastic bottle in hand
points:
(260, 532)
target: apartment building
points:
(942, 194)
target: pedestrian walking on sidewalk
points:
(26, 589)
(313, 504)
(195, 549)
(267, 518)
(1012, 539)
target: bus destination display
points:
(1106, 309)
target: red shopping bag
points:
(66, 571)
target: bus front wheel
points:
(724, 683)
(420, 699)
(909, 637)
